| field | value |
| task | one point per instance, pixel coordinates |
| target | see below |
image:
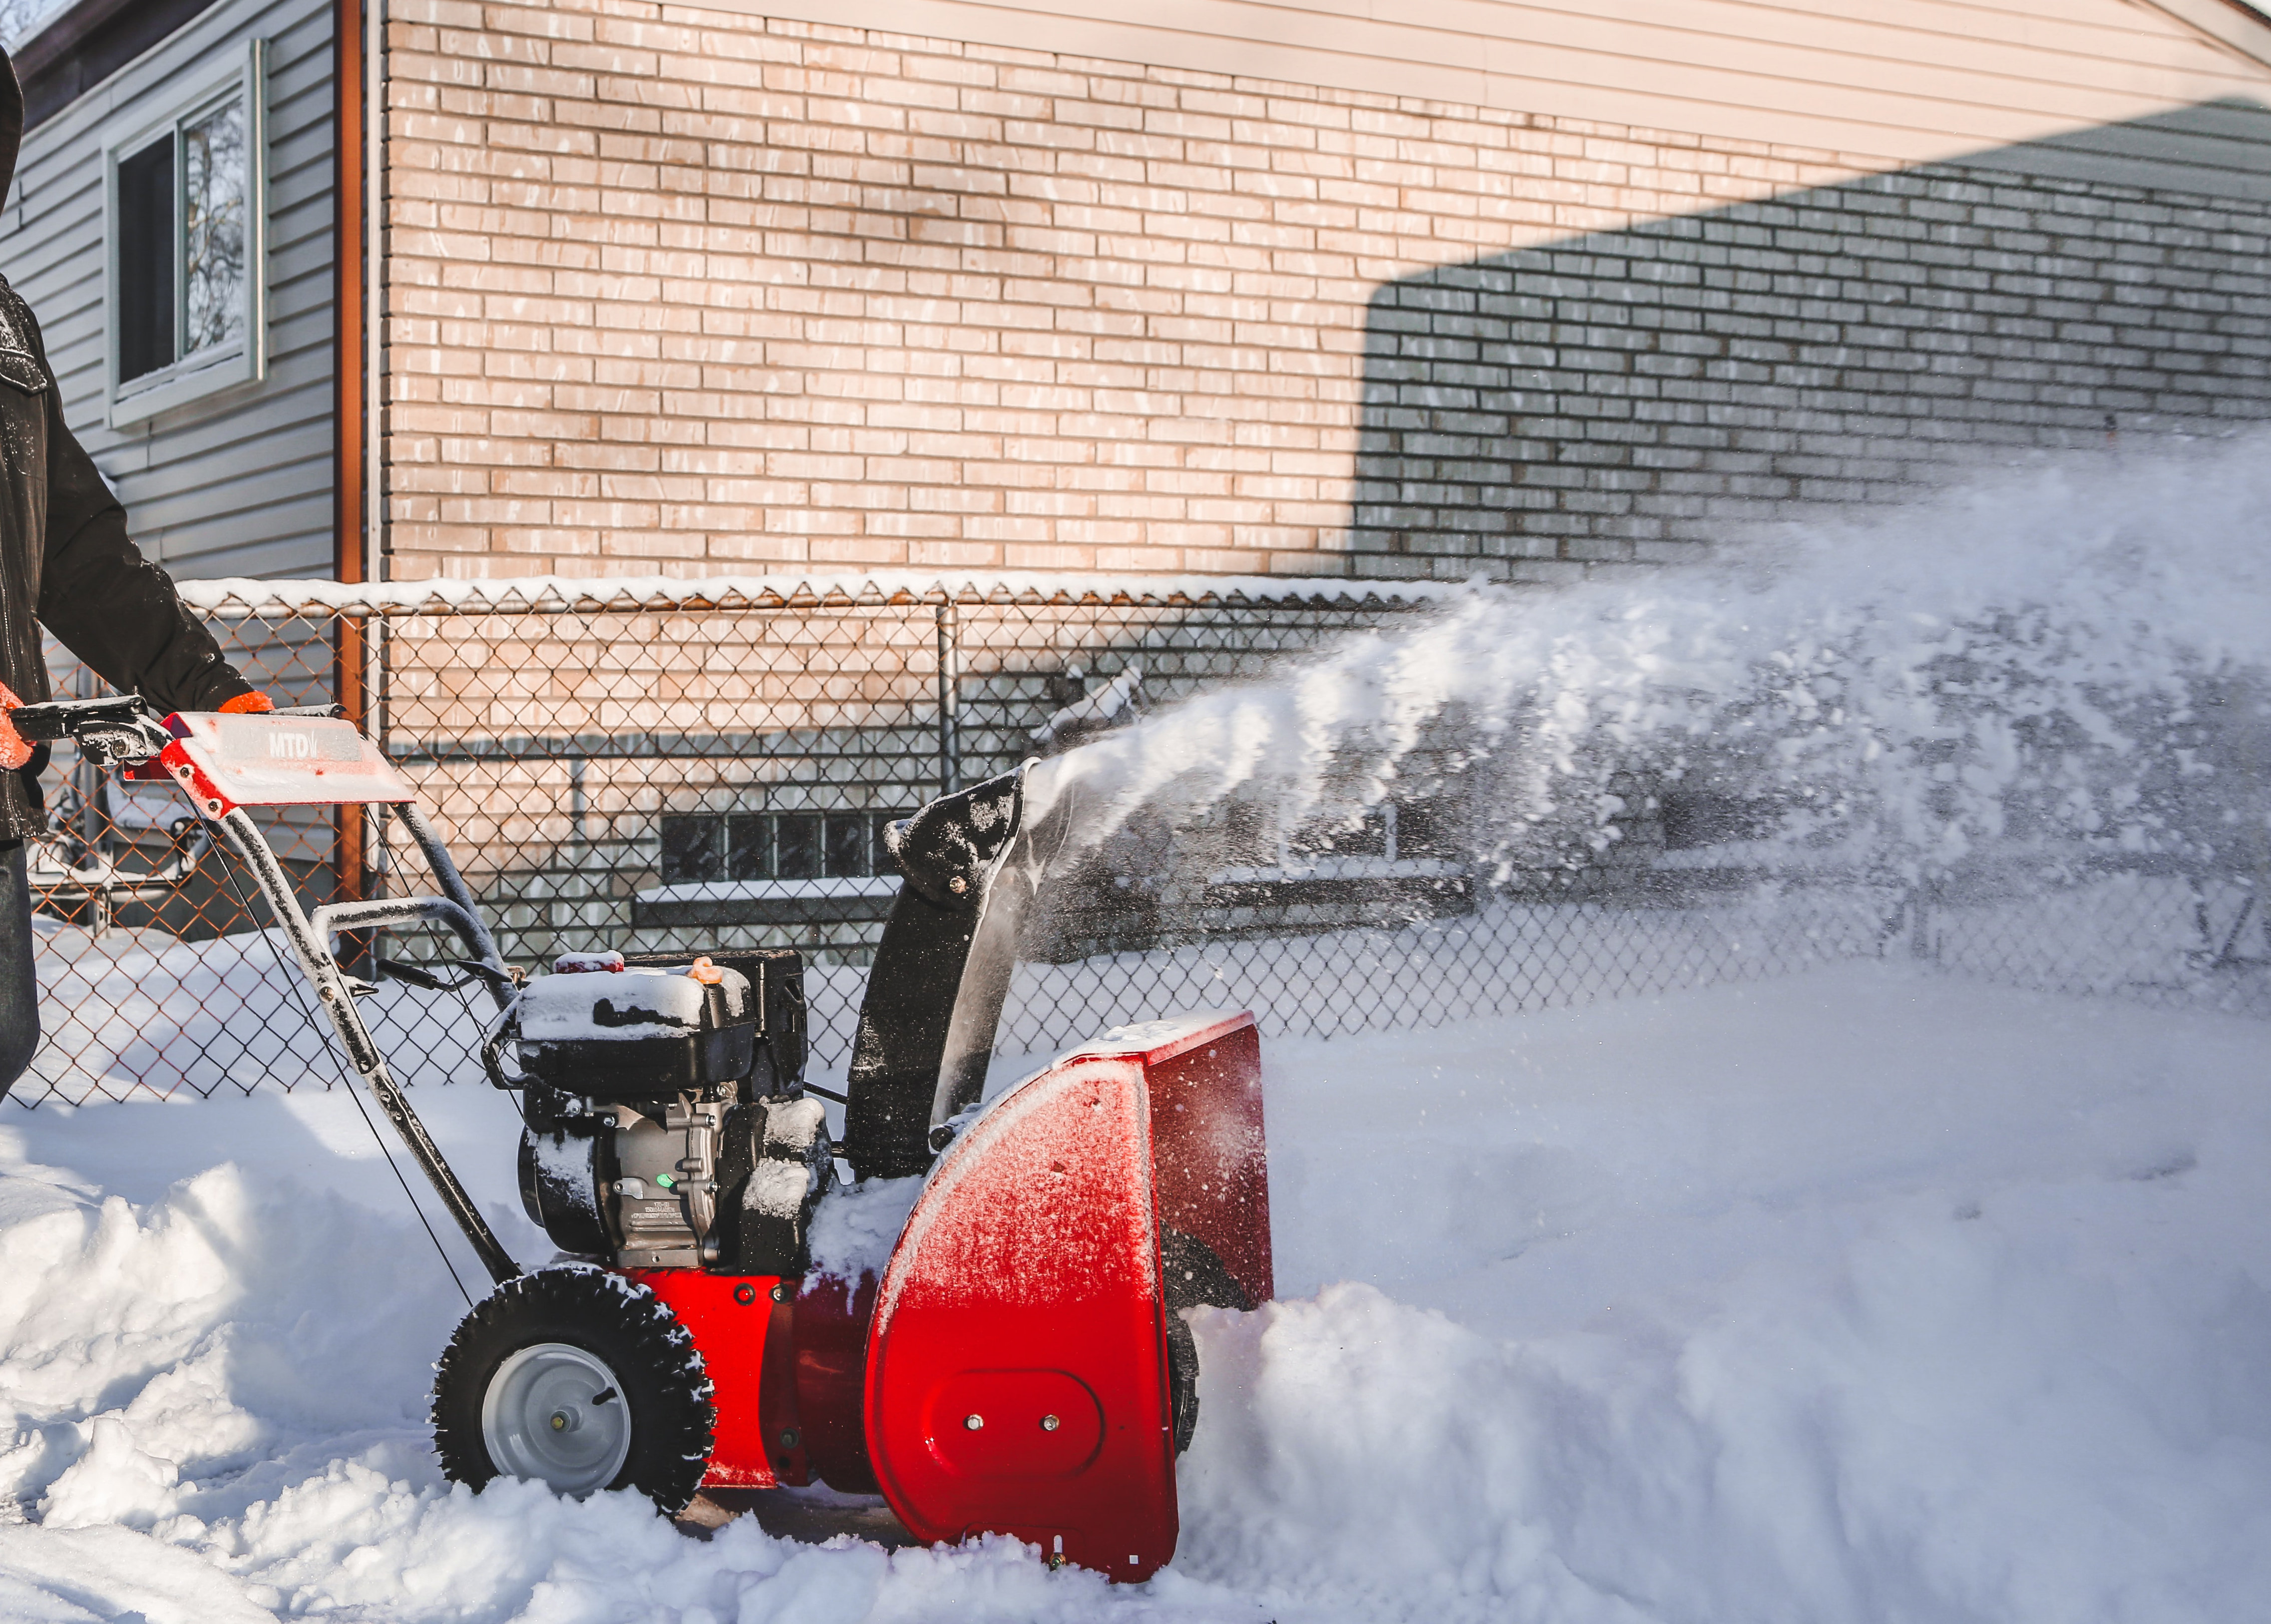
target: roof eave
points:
(2236, 25)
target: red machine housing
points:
(1009, 1373)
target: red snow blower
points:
(1017, 1362)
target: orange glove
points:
(247, 704)
(14, 752)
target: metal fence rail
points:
(675, 766)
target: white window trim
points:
(193, 378)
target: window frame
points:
(193, 378)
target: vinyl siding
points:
(239, 483)
(1921, 81)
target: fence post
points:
(950, 697)
(350, 853)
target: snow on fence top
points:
(238, 596)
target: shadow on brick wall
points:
(1619, 396)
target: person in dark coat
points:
(66, 564)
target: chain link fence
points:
(674, 767)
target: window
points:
(187, 215)
(710, 846)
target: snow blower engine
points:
(667, 1125)
(726, 1312)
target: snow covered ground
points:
(1868, 1293)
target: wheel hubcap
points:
(553, 1414)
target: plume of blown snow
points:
(2061, 659)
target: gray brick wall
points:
(1619, 397)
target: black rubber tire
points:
(623, 1325)
(1191, 1275)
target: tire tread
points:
(617, 1320)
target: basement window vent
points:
(712, 847)
(186, 205)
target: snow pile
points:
(1857, 1295)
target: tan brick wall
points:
(692, 293)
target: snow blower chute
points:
(1018, 1362)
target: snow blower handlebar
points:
(300, 758)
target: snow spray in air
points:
(2067, 661)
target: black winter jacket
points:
(65, 560)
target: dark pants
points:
(19, 991)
